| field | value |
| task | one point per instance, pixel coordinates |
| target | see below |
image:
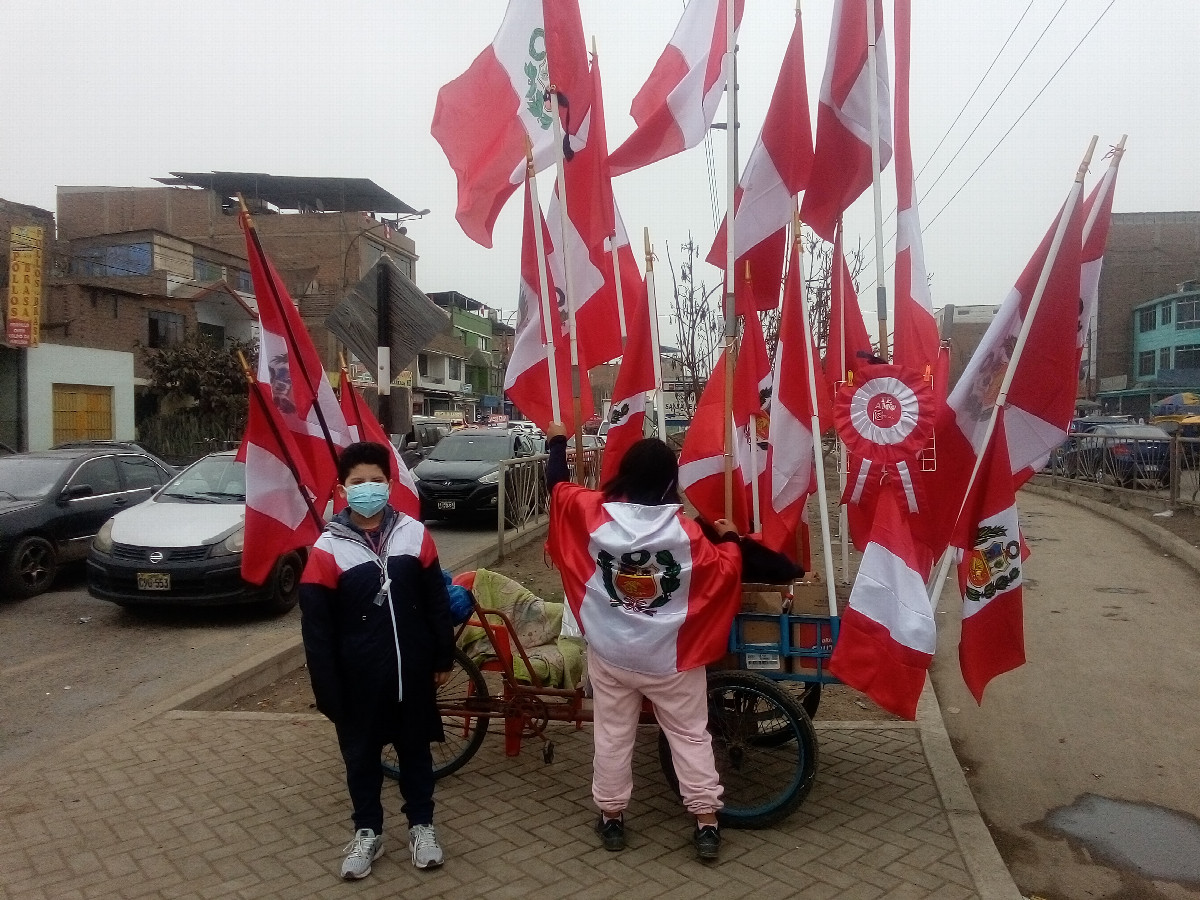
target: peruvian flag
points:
(842, 165)
(1097, 215)
(289, 363)
(280, 515)
(635, 378)
(887, 636)
(678, 101)
(793, 475)
(989, 574)
(849, 348)
(649, 591)
(365, 427)
(775, 173)
(527, 378)
(917, 343)
(484, 117)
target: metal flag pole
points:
(549, 316)
(660, 413)
(730, 309)
(876, 187)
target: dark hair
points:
(368, 452)
(648, 475)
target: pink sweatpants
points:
(681, 705)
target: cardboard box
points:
(762, 598)
(768, 659)
(811, 635)
(810, 597)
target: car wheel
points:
(285, 584)
(31, 567)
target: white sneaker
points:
(423, 842)
(365, 847)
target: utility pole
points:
(383, 373)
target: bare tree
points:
(698, 325)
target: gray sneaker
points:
(363, 849)
(426, 851)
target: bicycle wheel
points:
(464, 733)
(764, 781)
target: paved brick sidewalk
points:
(198, 804)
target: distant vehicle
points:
(461, 476)
(184, 546)
(1088, 424)
(424, 435)
(53, 501)
(113, 445)
(1123, 453)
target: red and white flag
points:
(842, 165)
(527, 378)
(888, 637)
(289, 363)
(649, 591)
(777, 170)
(793, 475)
(365, 427)
(849, 348)
(635, 379)
(1097, 217)
(678, 101)
(992, 641)
(484, 117)
(917, 343)
(280, 515)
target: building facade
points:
(963, 328)
(1165, 356)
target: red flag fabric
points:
(793, 473)
(1097, 216)
(483, 118)
(279, 516)
(776, 171)
(849, 348)
(289, 363)
(917, 343)
(365, 427)
(679, 590)
(842, 162)
(635, 378)
(888, 637)
(527, 378)
(678, 101)
(992, 640)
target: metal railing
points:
(523, 502)
(1170, 475)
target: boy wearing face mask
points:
(379, 641)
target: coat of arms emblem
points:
(639, 581)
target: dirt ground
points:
(292, 693)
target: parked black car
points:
(1122, 453)
(53, 502)
(462, 474)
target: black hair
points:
(648, 475)
(368, 452)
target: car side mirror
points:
(75, 492)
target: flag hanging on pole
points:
(365, 427)
(776, 171)
(678, 101)
(290, 364)
(635, 379)
(849, 347)
(1097, 216)
(484, 117)
(280, 514)
(841, 168)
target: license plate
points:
(154, 581)
(445, 504)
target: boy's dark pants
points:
(362, 739)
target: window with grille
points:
(1146, 363)
(1146, 319)
(1187, 356)
(1189, 314)
(165, 329)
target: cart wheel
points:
(464, 733)
(807, 694)
(764, 781)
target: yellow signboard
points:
(24, 310)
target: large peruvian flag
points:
(289, 363)
(649, 591)
(917, 343)
(280, 517)
(989, 574)
(849, 348)
(527, 378)
(365, 427)
(797, 399)
(484, 117)
(635, 379)
(777, 170)
(888, 638)
(842, 165)
(678, 101)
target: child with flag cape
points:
(654, 593)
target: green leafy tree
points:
(197, 369)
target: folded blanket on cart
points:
(556, 660)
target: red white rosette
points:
(887, 416)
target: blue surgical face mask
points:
(368, 497)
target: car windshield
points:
(461, 447)
(1139, 432)
(214, 479)
(29, 477)
(589, 440)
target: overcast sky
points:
(101, 92)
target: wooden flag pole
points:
(730, 308)
(612, 247)
(876, 187)
(660, 413)
(549, 315)
(755, 450)
(843, 460)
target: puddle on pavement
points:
(1154, 841)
